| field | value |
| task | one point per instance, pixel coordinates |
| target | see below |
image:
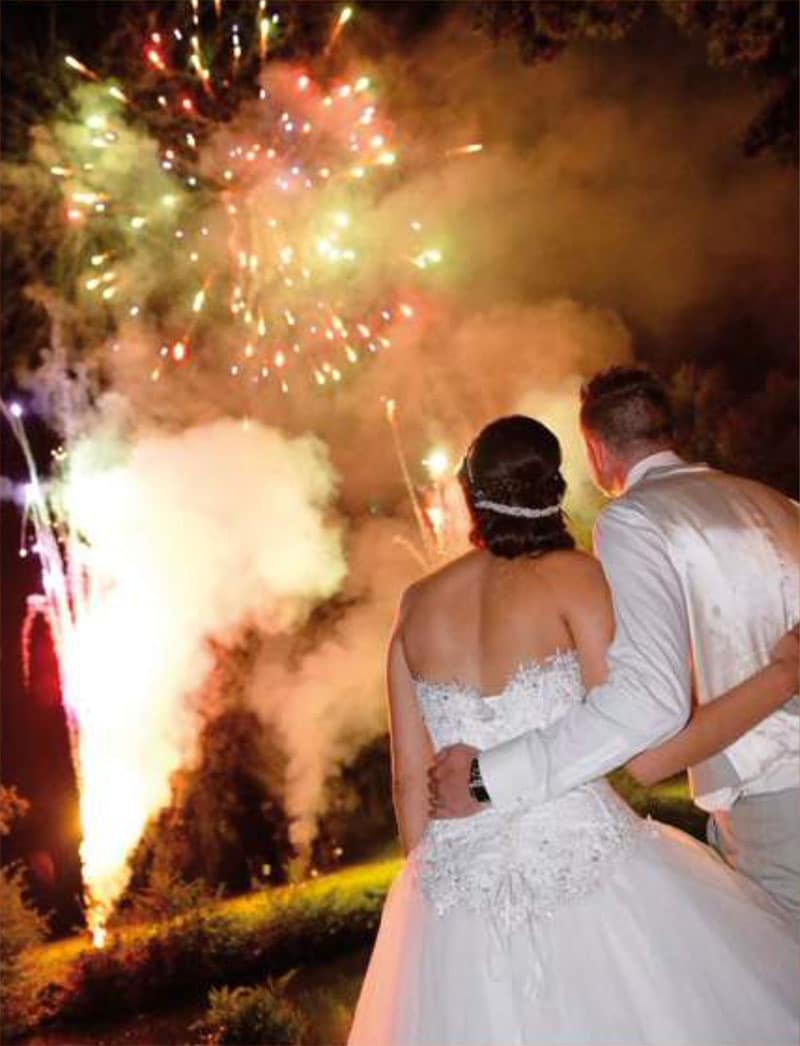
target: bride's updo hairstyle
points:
(511, 477)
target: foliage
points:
(164, 897)
(270, 931)
(246, 1015)
(359, 816)
(755, 435)
(12, 806)
(225, 826)
(543, 28)
(21, 928)
(757, 36)
(669, 802)
(232, 940)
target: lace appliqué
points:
(525, 865)
(519, 866)
(537, 694)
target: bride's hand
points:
(786, 653)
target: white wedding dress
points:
(574, 922)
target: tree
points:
(760, 38)
(757, 36)
(12, 806)
(225, 826)
(755, 435)
(21, 928)
(359, 817)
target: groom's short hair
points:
(627, 408)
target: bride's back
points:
(480, 617)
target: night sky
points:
(749, 324)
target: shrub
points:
(21, 927)
(253, 1015)
(225, 824)
(164, 897)
(141, 967)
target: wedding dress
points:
(573, 922)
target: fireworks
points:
(68, 597)
(261, 226)
(437, 463)
(145, 554)
(245, 240)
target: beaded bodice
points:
(537, 694)
(528, 861)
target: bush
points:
(669, 802)
(21, 928)
(359, 818)
(142, 967)
(243, 1016)
(225, 824)
(164, 897)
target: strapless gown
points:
(574, 922)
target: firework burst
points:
(220, 215)
(242, 244)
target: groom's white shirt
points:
(704, 570)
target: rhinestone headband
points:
(518, 510)
(506, 510)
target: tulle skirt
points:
(672, 948)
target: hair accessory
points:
(518, 510)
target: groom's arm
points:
(647, 697)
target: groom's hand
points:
(448, 783)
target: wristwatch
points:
(477, 789)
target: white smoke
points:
(190, 538)
(606, 200)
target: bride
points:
(575, 921)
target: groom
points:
(704, 569)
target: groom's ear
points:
(597, 453)
(590, 442)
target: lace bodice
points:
(537, 694)
(524, 863)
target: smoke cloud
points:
(189, 537)
(611, 214)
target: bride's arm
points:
(718, 724)
(588, 613)
(714, 726)
(412, 751)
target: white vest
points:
(735, 545)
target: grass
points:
(229, 941)
(323, 928)
(326, 992)
(669, 802)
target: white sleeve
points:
(647, 697)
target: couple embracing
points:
(535, 906)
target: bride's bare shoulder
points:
(573, 559)
(575, 572)
(447, 579)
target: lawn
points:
(149, 983)
(232, 941)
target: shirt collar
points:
(662, 459)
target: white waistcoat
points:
(735, 545)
